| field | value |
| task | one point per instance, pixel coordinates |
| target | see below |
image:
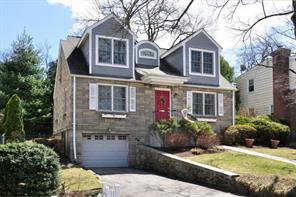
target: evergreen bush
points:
(28, 169)
(13, 125)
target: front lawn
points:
(288, 153)
(77, 179)
(246, 164)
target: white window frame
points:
(112, 96)
(112, 52)
(148, 57)
(203, 104)
(202, 66)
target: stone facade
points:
(150, 159)
(62, 112)
(137, 124)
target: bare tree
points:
(230, 7)
(153, 18)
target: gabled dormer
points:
(147, 54)
(196, 57)
(108, 48)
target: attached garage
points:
(100, 150)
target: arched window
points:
(147, 53)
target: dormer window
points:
(147, 53)
(111, 51)
(202, 62)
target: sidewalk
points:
(249, 152)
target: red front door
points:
(162, 105)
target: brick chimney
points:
(280, 59)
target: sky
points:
(48, 21)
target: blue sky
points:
(45, 22)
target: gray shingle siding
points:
(144, 61)
(201, 41)
(112, 28)
(175, 60)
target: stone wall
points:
(150, 159)
(62, 109)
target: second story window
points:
(111, 51)
(251, 85)
(202, 62)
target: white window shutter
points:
(220, 105)
(189, 101)
(93, 96)
(133, 100)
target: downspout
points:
(233, 107)
(74, 118)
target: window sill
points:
(207, 119)
(115, 116)
(111, 65)
(202, 74)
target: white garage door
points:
(105, 150)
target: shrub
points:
(267, 129)
(165, 126)
(196, 128)
(236, 134)
(28, 169)
(177, 139)
(243, 120)
(13, 125)
(207, 140)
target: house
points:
(269, 88)
(256, 89)
(110, 89)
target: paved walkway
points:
(138, 183)
(249, 152)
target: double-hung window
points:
(112, 51)
(202, 62)
(204, 104)
(112, 98)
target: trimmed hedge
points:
(267, 129)
(28, 169)
(236, 134)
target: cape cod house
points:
(110, 89)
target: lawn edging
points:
(173, 166)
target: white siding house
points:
(256, 89)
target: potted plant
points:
(249, 142)
(273, 141)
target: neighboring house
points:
(271, 89)
(110, 89)
(256, 89)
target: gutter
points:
(233, 107)
(74, 119)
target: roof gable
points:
(98, 23)
(181, 43)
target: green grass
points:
(78, 179)
(246, 164)
(288, 153)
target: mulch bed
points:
(190, 151)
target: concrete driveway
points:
(138, 183)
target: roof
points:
(179, 44)
(78, 66)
